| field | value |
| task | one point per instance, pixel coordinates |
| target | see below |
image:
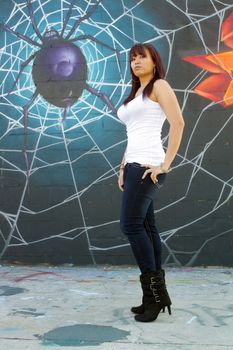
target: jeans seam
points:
(147, 226)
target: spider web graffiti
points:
(76, 160)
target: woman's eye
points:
(139, 56)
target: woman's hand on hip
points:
(153, 171)
(121, 181)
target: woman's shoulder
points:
(161, 87)
(161, 83)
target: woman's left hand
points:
(153, 171)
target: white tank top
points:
(144, 120)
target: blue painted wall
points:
(63, 207)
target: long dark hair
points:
(140, 49)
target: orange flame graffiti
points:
(218, 87)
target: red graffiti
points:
(217, 87)
(19, 279)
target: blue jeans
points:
(137, 219)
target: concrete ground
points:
(69, 307)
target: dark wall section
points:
(59, 201)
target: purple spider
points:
(59, 68)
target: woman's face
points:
(142, 64)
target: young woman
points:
(143, 170)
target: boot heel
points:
(169, 309)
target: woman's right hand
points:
(121, 180)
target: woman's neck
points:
(144, 81)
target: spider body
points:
(59, 71)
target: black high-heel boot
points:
(140, 309)
(155, 296)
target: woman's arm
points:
(121, 174)
(122, 162)
(168, 101)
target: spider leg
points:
(87, 15)
(67, 17)
(66, 110)
(102, 96)
(21, 36)
(23, 65)
(90, 37)
(31, 15)
(25, 113)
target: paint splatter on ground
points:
(7, 290)
(28, 312)
(83, 335)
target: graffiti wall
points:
(64, 72)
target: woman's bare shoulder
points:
(161, 83)
(161, 87)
